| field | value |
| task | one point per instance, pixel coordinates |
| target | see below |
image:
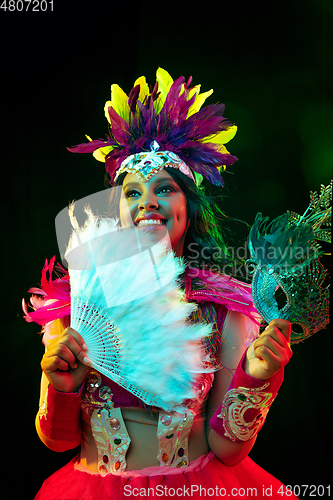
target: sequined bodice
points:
(102, 404)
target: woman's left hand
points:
(270, 352)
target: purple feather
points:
(133, 97)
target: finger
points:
(276, 356)
(79, 339)
(74, 342)
(276, 342)
(284, 327)
(269, 342)
(271, 363)
(53, 363)
(65, 348)
(273, 336)
(87, 361)
(60, 357)
(281, 333)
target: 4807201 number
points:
(27, 5)
(302, 490)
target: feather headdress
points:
(171, 115)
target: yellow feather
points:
(200, 99)
(223, 150)
(100, 153)
(108, 105)
(164, 81)
(194, 90)
(120, 102)
(222, 137)
(144, 89)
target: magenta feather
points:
(90, 147)
(55, 301)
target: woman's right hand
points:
(65, 362)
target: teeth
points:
(149, 222)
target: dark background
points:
(271, 64)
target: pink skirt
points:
(205, 477)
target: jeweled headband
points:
(165, 126)
(146, 165)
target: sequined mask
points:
(285, 261)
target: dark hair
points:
(204, 245)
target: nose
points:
(148, 201)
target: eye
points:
(131, 193)
(165, 188)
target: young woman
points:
(158, 147)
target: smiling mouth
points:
(151, 222)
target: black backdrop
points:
(271, 66)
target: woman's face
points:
(160, 199)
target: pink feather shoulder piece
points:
(205, 286)
(53, 300)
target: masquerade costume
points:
(150, 131)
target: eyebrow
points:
(158, 181)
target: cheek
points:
(182, 216)
(126, 212)
(182, 213)
(179, 215)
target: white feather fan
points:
(127, 306)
